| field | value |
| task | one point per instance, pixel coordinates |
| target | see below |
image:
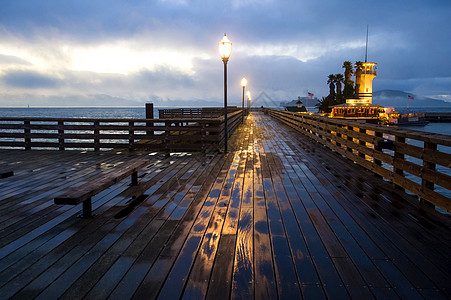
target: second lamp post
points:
(243, 84)
(225, 49)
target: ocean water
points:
(77, 112)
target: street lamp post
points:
(243, 84)
(225, 49)
(248, 100)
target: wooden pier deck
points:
(279, 216)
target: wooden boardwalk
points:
(278, 216)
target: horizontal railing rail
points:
(416, 161)
(206, 112)
(181, 134)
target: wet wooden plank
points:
(37, 242)
(175, 282)
(398, 281)
(190, 174)
(197, 283)
(265, 287)
(221, 277)
(26, 211)
(171, 242)
(71, 277)
(350, 274)
(286, 278)
(303, 262)
(22, 272)
(386, 242)
(248, 187)
(148, 273)
(34, 287)
(33, 233)
(343, 201)
(243, 273)
(114, 275)
(259, 194)
(301, 226)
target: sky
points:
(117, 52)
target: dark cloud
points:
(29, 80)
(410, 41)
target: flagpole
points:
(408, 98)
(366, 45)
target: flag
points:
(410, 97)
(310, 94)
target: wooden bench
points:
(4, 174)
(83, 193)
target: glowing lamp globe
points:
(243, 82)
(225, 48)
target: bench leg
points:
(5, 174)
(87, 208)
(135, 178)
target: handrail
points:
(180, 134)
(416, 161)
(206, 112)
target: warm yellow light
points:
(243, 82)
(225, 48)
(249, 95)
(356, 101)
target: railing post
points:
(427, 166)
(61, 134)
(131, 135)
(166, 136)
(349, 138)
(96, 136)
(338, 134)
(363, 143)
(149, 115)
(326, 124)
(398, 157)
(203, 136)
(377, 162)
(27, 134)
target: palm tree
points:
(348, 70)
(348, 90)
(338, 81)
(323, 105)
(358, 65)
(331, 81)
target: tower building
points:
(364, 80)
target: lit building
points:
(363, 107)
(365, 80)
(299, 108)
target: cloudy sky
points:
(167, 50)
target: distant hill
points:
(400, 99)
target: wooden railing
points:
(182, 134)
(206, 112)
(419, 162)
